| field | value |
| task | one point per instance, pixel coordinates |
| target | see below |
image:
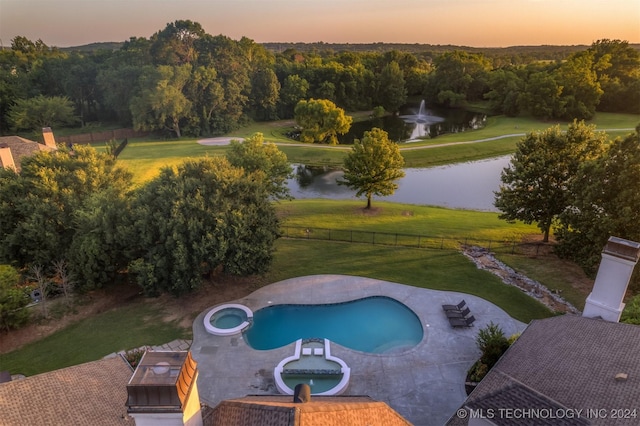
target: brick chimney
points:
(163, 390)
(6, 158)
(619, 257)
(49, 140)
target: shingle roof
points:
(529, 407)
(279, 410)
(21, 147)
(87, 394)
(573, 361)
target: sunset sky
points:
(481, 23)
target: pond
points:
(468, 185)
(417, 121)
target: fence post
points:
(441, 243)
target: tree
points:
(321, 121)
(535, 185)
(162, 104)
(605, 201)
(265, 90)
(175, 44)
(41, 111)
(580, 89)
(39, 206)
(204, 216)
(542, 96)
(294, 89)
(255, 156)
(37, 276)
(13, 299)
(392, 93)
(373, 166)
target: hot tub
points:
(227, 319)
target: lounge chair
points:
(462, 322)
(458, 314)
(457, 307)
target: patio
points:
(424, 384)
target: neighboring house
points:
(93, 393)
(583, 368)
(14, 148)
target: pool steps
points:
(308, 351)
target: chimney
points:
(49, 140)
(163, 390)
(6, 158)
(302, 393)
(619, 257)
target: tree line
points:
(183, 81)
(74, 216)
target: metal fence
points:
(404, 240)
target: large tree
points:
(204, 215)
(255, 156)
(39, 207)
(162, 104)
(535, 185)
(391, 93)
(605, 202)
(321, 121)
(41, 111)
(373, 166)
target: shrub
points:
(134, 356)
(13, 300)
(493, 343)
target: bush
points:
(631, 313)
(13, 300)
(493, 343)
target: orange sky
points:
(488, 23)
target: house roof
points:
(519, 396)
(572, 361)
(94, 393)
(21, 147)
(280, 410)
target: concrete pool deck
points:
(424, 384)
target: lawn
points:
(126, 327)
(401, 218)
(434, 269)
(144, 158)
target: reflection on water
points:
(432, 123)
(461, 186)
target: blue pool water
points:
(374, 324)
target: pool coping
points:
(425, 384)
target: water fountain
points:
(422, 121)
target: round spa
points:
(227, 319)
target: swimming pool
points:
(376, 324)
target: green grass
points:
(123, 328)
(434, 269)
(401, 218)
(553, 273)
(144, 157)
